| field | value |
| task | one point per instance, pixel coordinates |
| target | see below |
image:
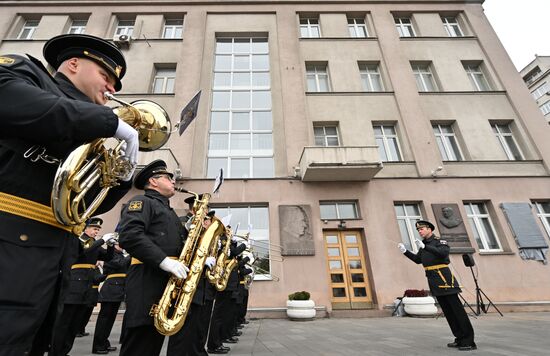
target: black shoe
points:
(237, 333)
(100, 352)
(467, 348)
(452, 344)
(240, 326)
(231, 340)
(218, 350)
(82, 334)
(245, 322)
(111, 348)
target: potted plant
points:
(419, 303)
(300, 307)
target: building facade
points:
(536, 76)
(338, 124)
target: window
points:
(370, 76)
(317, 78)
(28, 29)
(543, 212)
(475, 74)
(540, 91)
(504, 135)
(326, 136)
(338, 210)
(164, 81)
(452, 27)
(532, 75)
(357, 27)
(545, 108)
(447, 143)
(404, 27)
(241, 127)
(482, 227)
(309, 27)
(78, 26)
(388, 145)
(173, 28)
(253, 219)
(407, 215)
(125, 27)
(424, 78)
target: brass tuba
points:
(93, 162)
(171, 311)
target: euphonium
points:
(93, 163)
(219, 275)
(170, 313)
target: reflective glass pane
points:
(222, 79)
(223, 45)
(241, 121)
(218, 142)
(337, 278)
(241, 99)
(241, 45)
(260, 45)
(261, 99)
(331, 239)
(220, 100)
(239, 215)
(262, 142)
(260, 62)
(335, 264)
(357, 277)
(219, 121)
(354, 264)
(399, 210)
(260, 79)
(351, 239)
(353, 251)
(359, 292)
(412, 210)
(222, 63)
(491, 238)
(328, 211)
(240, 168)
(240, 142)
(261, 120)
(241, 63)
(347, 210)
(338, 292)
(214, 165)
(263, 167)
(333, 251)
(241, 79)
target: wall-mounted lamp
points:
(342, 225)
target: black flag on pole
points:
(189, 113)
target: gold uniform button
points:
(23, 237)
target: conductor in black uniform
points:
(44, 118)
(151, 232)
(79, 293)
(433, 253)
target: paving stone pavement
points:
(515, 334)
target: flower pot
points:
(300, 309)
(420, 306)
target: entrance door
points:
(348, 275)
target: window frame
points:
(410, 224)
(127, 30)
(501, 137)
(366, 73)
(31, 29)
(79, 29)
(174, 28)
(445, 142)
(422, 71)
(169, 73)
(317, 74)
(480, 228)
(336, 204)
(306, 23)
(326, 136)
(400, 26)
(449, 26)
(385, 141)
(540, 91)
(477, 76)
(543, 216)
(545, 108)
(356, 26)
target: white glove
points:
(177, 268)
(234, 239)
(110, 238)
(419, 243)
(128, 134)
(402, 248)
(210, 262)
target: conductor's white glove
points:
(110, 238)
(419, 243)
(129, 135)
(177, 268)
(210, 262)
(402, 248)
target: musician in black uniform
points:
(111, 295)
(92, 299)
(79, 293)
(151, 232)
(433, 253)
(221, 325)
(44, 118)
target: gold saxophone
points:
(219, 275)
(171, 311)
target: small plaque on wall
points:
(295, 230)
(452, 228)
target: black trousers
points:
(86, 319)
(243, 309)
(67, 326)
(457, 318)
(147, 341)
(230, 319)
(104, 325)
(219, 317)
(187, 340)
(204, 321)
(29, 300)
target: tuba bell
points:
(93, 163)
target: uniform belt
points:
(82, 265)
(135, 261)
(95, 287)
(431, 268)
(29, 209)
(242, 282)
(116, 275)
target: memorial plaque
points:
(451, 228)
(295, 230)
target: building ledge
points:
(341, 163)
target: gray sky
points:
(522, 26)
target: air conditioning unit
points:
(122, 40)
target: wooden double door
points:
(349, 282)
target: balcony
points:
(342, 163)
